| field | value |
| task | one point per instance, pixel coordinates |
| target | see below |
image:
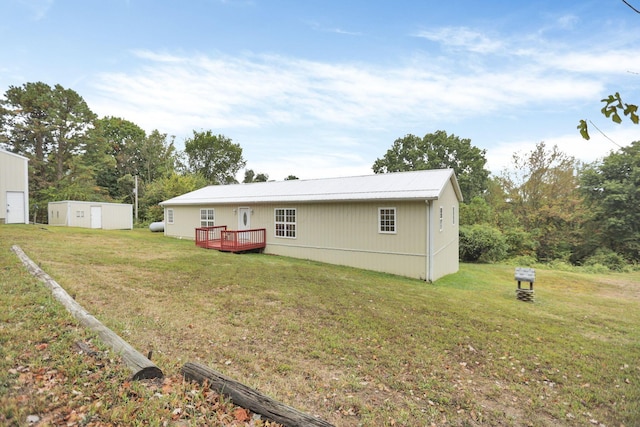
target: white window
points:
(441, 218)
(453, 215)
(285, 222)
(169, 216)
(387, 220)
(207, 217)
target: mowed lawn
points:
(356, 347)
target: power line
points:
(634, 9)
(604, 134)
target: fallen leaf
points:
(241, 415)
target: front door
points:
(244, 223)
(244, 219)
(15, 207)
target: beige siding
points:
(117, 216)
(337, 233)
(79, 215)
(57, 212)
(347, 234)
(13, 177)
(114, 216)
(445, 241)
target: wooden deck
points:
(220, 238)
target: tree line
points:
(74, 155)
(546, 207)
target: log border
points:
(141, 366)
(249, 398)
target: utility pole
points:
(135, 192)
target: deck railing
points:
(243, 240)
(206, 236)
(220, 238)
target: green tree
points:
(26, 126)
(123, 138)
(78, 184)
(165, 188)
(291, 177)
(215, 157)
(436, 151)
(71, 119)
(132, 153)
(612, 191)
(542, 190)
(50, 126)
(156, 156)
(477, 211)
(250, 176)
(118, 139)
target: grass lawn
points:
(351, 346)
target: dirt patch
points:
(619, 287)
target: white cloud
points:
(464, 38)
(284, 102)
(318, 27)
(259, 90)
(567, 22)
(39, 8)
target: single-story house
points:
(108, 216)
(14, 188)
(403, 223)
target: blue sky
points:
(323, 88)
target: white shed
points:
(107, 216)
(14, 188)
(404, 223)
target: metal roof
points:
(415, 185)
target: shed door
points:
(15, 207)
(96, 216)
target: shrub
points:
(606, 257)
(523, 261)
(560, 265)
(520, 242)
(482, 243)
(596, 269)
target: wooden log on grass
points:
(140, 366)
(249, 398)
